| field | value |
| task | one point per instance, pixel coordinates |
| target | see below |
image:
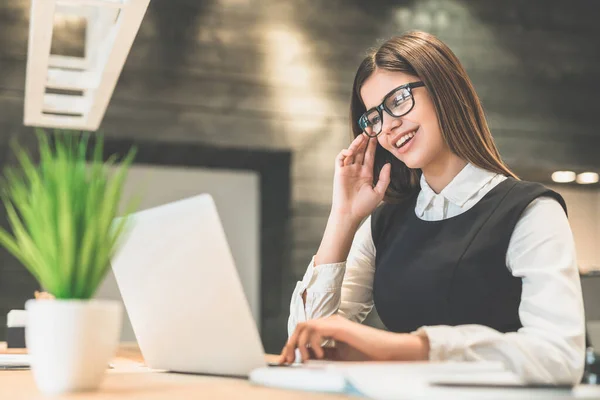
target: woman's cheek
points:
(382, 143)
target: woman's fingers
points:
(344, 157)
(289, 351)
(354, 154)
(360, 152)
(290, 354)
(354, 148)
(339, 159)
(283, 356)
(303, 341)
(384, 179)
(348, 157)
(302, 337)
(282, 359)
(370, 153)
(356, 142)
(312, 333)
(316, 341)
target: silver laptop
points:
(182, 292)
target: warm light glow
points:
(563, 176)
(296, 77)
(587, 178)
(65, 20)
(289, 61)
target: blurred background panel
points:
(276, 76)
(157, 185)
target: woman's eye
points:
(399, 100)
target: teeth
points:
(404, 138)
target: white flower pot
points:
(71, 342)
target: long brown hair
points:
(457, 106)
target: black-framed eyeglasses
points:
(396, 103)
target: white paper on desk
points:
(14, 360)
(309, 378)
(383, 381)
(412, 381)
(377, 380)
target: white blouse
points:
(550, 346)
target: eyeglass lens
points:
(397, 104)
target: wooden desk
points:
(130, 380)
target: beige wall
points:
(584, 216)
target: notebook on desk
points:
(413, 380)
(374, 379)
(14, 361)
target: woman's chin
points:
(411, 162)
(411, 158)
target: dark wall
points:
(277, 75)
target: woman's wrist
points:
(410, 347)
(343, 218)
(421, 345)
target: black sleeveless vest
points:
(453, 271)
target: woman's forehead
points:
(380, 83)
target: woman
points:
(463, 261)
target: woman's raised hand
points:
(353, 192)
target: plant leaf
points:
(60, 212)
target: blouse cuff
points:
(324, 277)
(445, 342)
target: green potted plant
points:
(61, 213)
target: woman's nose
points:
(390, 123)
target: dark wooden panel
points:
(527, 58)
(524, 151)
(534, 14)
(16, 286)
(539, 15)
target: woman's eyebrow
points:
(382, 98)
(386, 95)
(380, 101)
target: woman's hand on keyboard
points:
(353, 342)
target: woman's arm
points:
(344, 254)
(550, 346)
(344, 287)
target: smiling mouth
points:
(405, 139)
